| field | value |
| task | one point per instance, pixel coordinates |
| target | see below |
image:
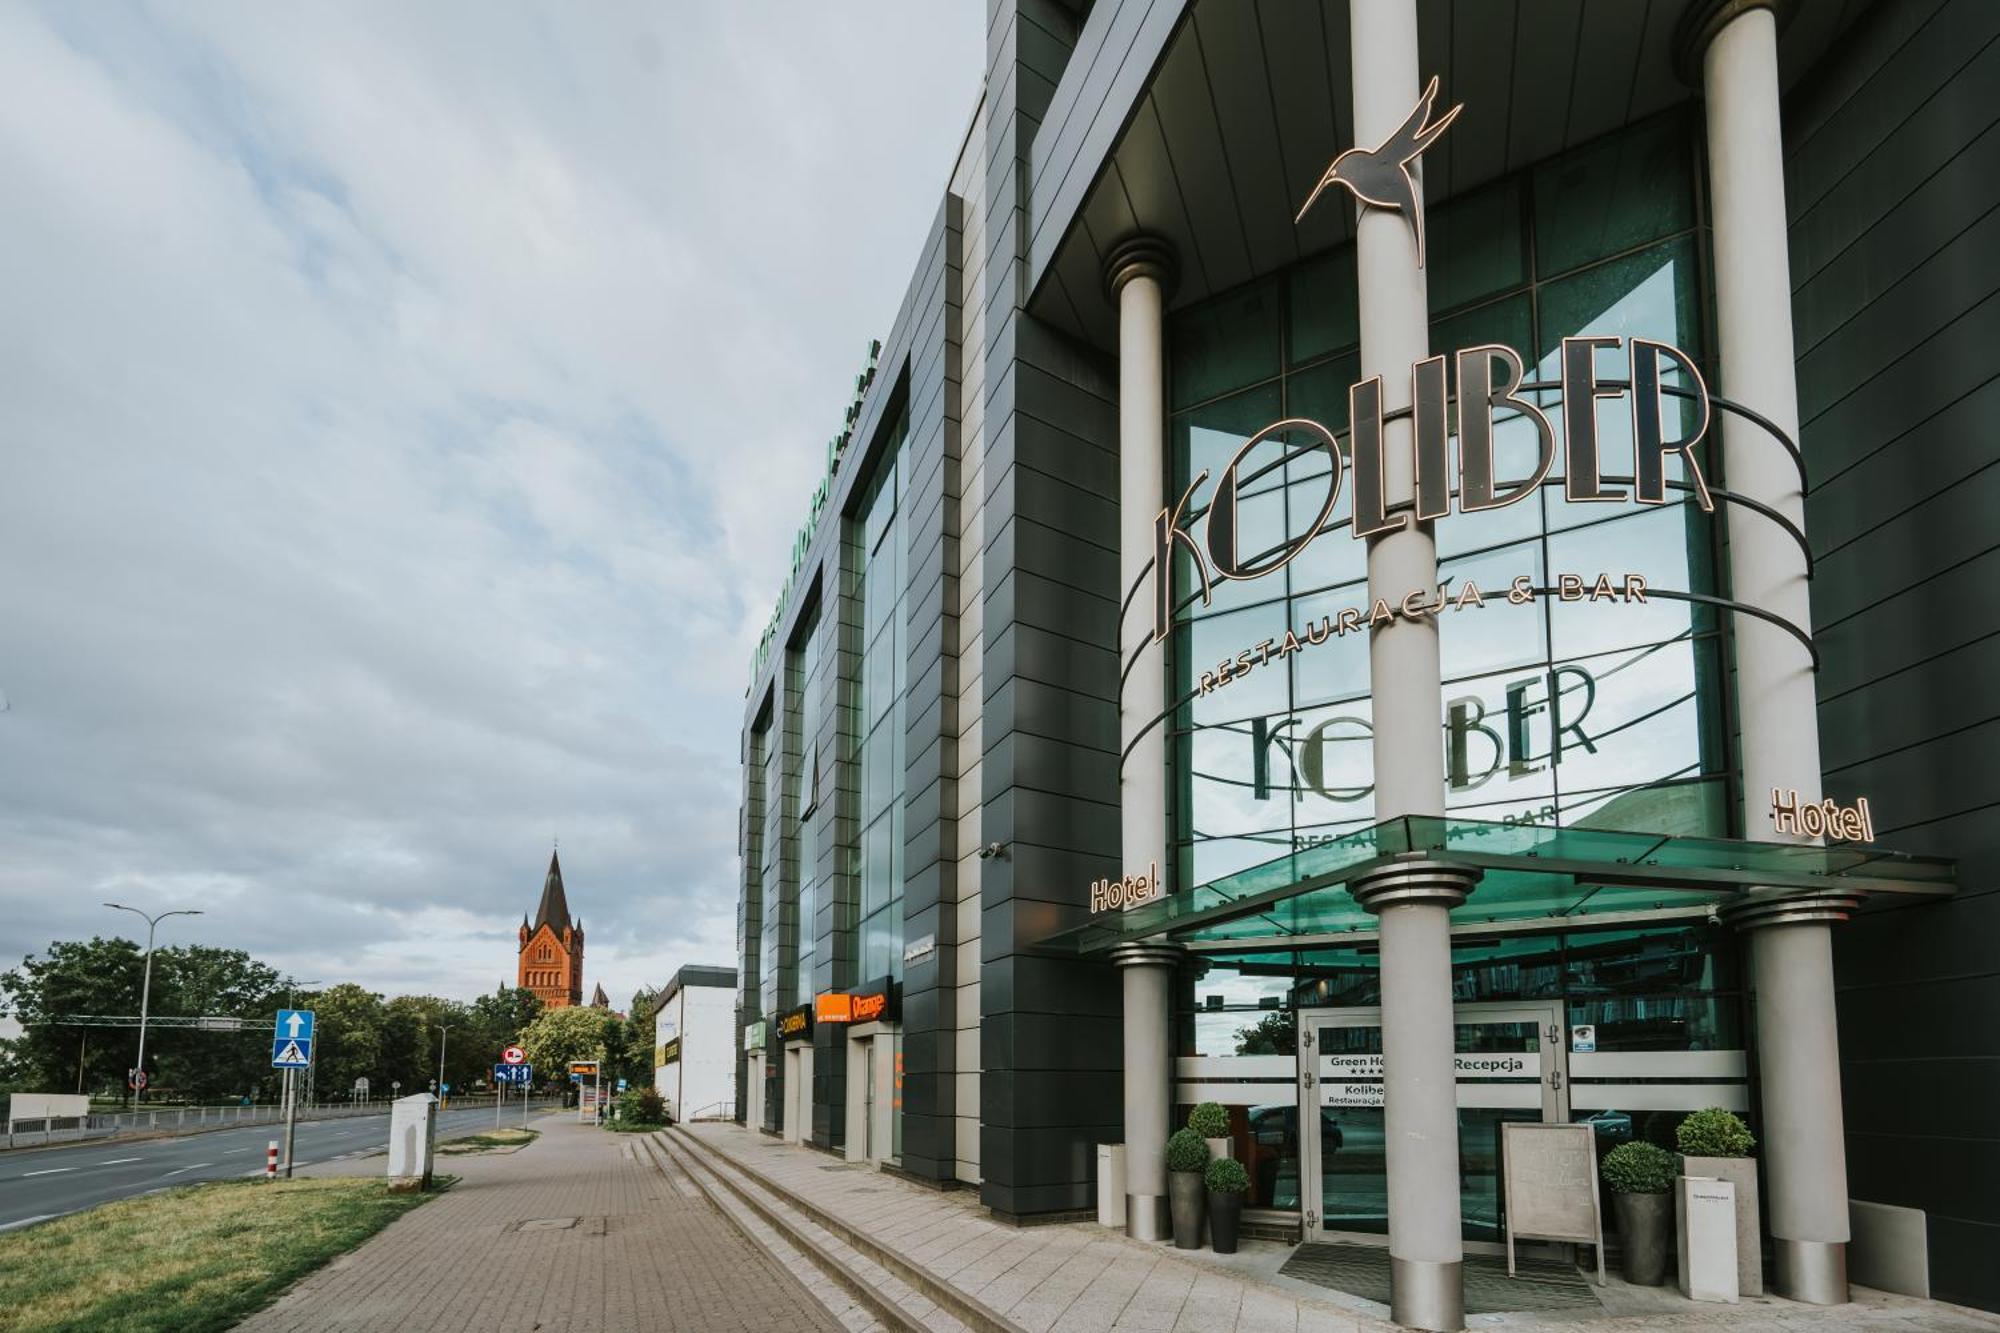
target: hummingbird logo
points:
(1380, 177)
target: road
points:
(38, 1184)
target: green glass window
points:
(884, 535)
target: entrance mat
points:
(1363, 1270)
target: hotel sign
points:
(1115, 895)
(1828, 819)
(1490, 381)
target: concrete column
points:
(1139, 273)
(1148, 972)
(1420, 1112)
(1792, 958)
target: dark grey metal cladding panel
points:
(1950, 774)
(1070, 157)
(1907, 629)
(1916, 311)
(1024, 598)
(1231, 37)
(1060, 823)
(1856, 243)
(1954, 444)
(1047, 764)
(1856, 122)
(1955, 525)
(1187, 114)
(1023, 706)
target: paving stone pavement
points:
(1082, 1278)
(578, 1231)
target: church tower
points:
(551, 963)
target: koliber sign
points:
(1482, 393)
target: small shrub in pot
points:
(1714, 1132)
(1187, 1157)
(1211, 1121)
(1639, 1176)
(1226, 1180)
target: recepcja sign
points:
(1489, 383)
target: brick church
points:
(551, 963)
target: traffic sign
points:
(292, 1039)
(518, 1075)
(514, 1055)
(136, 1079)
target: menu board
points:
(1551, 1184)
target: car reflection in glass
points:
(1274, 1130)
(1612, 1126)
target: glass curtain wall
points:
(773, 982)
(1554, 712)
(806, 685)
(884, 549)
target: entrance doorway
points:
(1512, 1066)
(797, 1121)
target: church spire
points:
(554, 908)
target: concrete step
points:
(875, 1297)
(948, 1307)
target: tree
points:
(95, 976)
(561, 1036)
(1276, 1033)
(347, 1037)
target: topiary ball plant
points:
(1638, 1168)
(1226, 1176)
(1714, 1132)
(1209, 1120)
(1186, 1151)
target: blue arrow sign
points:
(522, 1075)
(296, 1024)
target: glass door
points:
(1510, 1066)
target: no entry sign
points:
(513, 1055)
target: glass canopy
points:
(1529, 873)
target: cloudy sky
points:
(405, 411)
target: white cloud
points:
(405, 413)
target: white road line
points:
(226, 1151)
(52, 1171)
(28, 1221)
(120, 1161)
(196, 1167)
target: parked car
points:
(1615, 1126)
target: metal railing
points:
(722, 1110)
(196, 1119)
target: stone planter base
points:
(1742, 1173)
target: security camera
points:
(989, 851)
(1714, 916)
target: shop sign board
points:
(873, 1002)
(670, 1053)
(795, 1023)
(756, 1034)
(919, 948)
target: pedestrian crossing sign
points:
(289, 1054)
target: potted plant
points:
(1639, 1176)
(1187, 1156)
(1211, 1121)
(1226, 1180)
(1716, 1143)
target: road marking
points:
(226, 1151)
(52, 1171)
(196, 1167)
(28, 1221)
(120, 1161)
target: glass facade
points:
(1561, 713)
(804, 684)
(767, 843)
(879, 727)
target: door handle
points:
(1556, 1079)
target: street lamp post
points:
(444, 1032)
(146, 988)
(292, 987)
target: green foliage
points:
(559, 1037)
(1227, 1176)
(1209, 1120)
(1276, 1033)
(1186, 1151)
(641, 1108)
(1638, 1168)
(1714, 1132)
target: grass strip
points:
(185, 1260)
(512, 1139)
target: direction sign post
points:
(291, 1051)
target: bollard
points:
(271, 1161)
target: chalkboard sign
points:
(1551, 1183)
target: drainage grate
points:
(846, 1166)
(547, 1224)
(1363, 1270)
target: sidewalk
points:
(577, 1231)
(1083, 1278)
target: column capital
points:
(1813, 907)
(1703, 19)
(1146, 953)
(1417, 881)
(1142, 254)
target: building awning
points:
(1528, 873)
